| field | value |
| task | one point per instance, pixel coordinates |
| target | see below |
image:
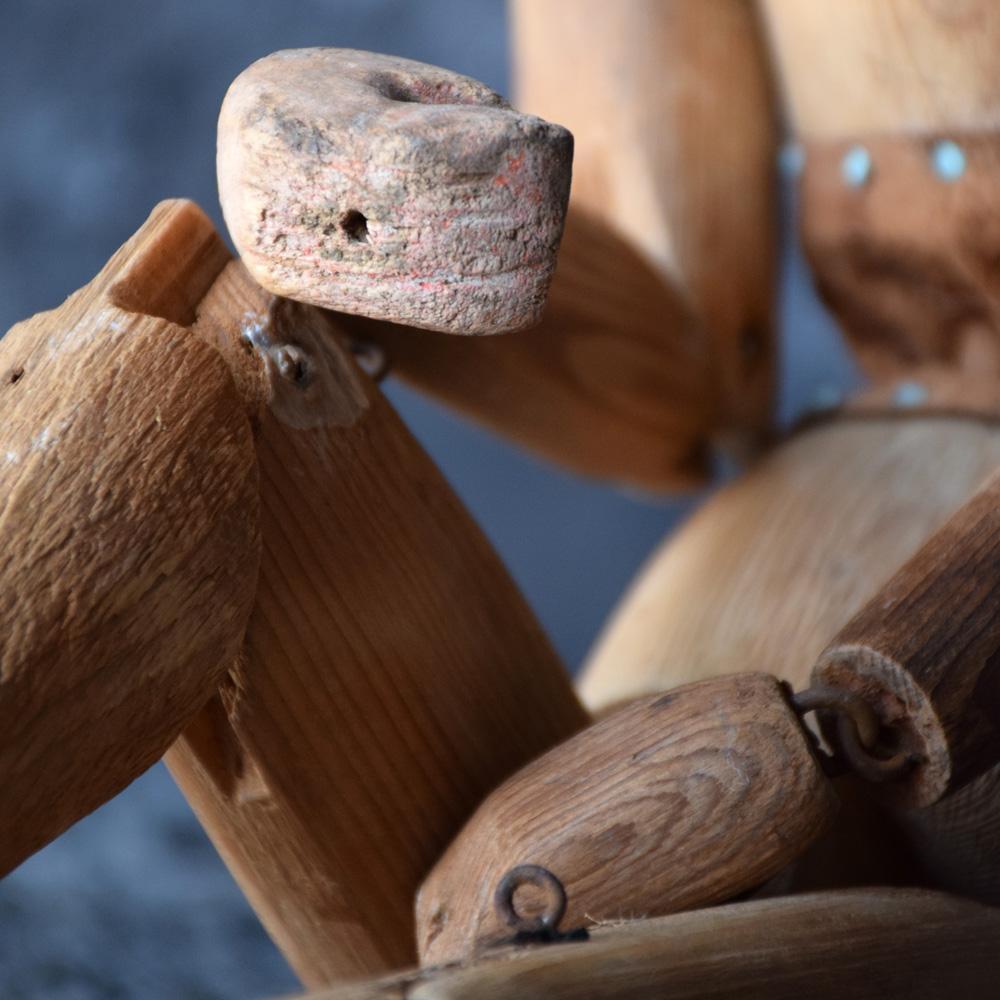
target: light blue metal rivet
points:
(791, 159)
(826, 397)
(909, 394)
(948, 160)
(856, 166)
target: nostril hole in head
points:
(354, 226)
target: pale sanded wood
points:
(382, 186)
(924, 651)
(767, 571)
(596, 386)
(851, 67)
(392, 674)
(867, 945)
(675, 138)
(128, 529)
(676, 801)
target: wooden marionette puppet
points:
(286, 587)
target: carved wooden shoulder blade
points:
(381, 186)
(128, 527)
(678, 800)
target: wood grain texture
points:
(597, 386)
(852, 67)
(867, 945)
(675, 136)
(924, 651)
(767, 571)
(128, 529)
(908, 262)
(392, 674)
(382, 186)
(675, 801)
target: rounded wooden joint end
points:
(391, 189)
(906, 713)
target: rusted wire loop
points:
(858, 729)
(843, 704)
(541, 878)
(863, 762)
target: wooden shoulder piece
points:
(128, 527)
(873, 944)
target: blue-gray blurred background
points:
(106, 107)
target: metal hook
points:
(545, 926)
(858, 729)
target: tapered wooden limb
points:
(768, 570)
(128, 529)
(866, 945)
(673, 802)
(392, 674)
(675, 136)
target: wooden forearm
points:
(863, 944)
(674, 802)
(391, 675)
(671, 111)
(128, 529)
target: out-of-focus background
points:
(106, 107)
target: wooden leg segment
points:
(391, 674)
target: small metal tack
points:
(791, 159)
(948, 160)
(856, 166)
(907, 395)
(826, 397)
